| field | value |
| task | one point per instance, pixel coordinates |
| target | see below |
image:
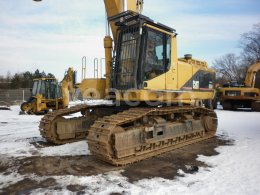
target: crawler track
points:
(123, 136)
(58, 130)
(140, 133)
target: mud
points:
(67, 165)
(164, 166)
(168, 164)
(27, 185)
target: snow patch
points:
(234, 171)
(9, 179)
(71, 149)
(91, 102)
(17, 132)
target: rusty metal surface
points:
(58, 130)
(128, 137)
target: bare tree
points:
(229, 69)
(250, 43)
(232, 68)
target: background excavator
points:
(158, 98)
(48, 94)
(235, 96)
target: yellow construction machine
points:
(48, 94)
(157, 98)
(247, 95)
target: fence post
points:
(23, 95)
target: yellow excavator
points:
(158, 99)
(48, 94)
(247, 95)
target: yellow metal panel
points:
(184, 73)
(108, 58)
(131, 5)
(93, 88)
(249, 81)
(157, 83)
(241, 89)
(164, 96)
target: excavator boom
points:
(68, 86)
(251, 74)
(114, 7)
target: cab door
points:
(157, 59)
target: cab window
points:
(157, 54)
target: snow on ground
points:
(90, 102)
(71, 149)
(234, 171)
(18, 131)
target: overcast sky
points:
(53, 35)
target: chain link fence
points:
(14, 96)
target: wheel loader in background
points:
(235, 96)
(48, 94)
(157, 98)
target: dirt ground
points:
(165, 166)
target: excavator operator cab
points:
(142, 50)
(47, 87)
